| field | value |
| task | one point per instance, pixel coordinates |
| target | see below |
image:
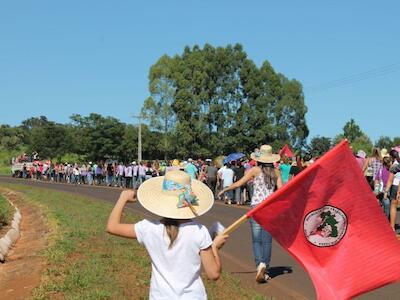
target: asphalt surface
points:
(289, 280)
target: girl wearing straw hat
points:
(266, 179)
(177, 245)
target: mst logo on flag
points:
(326, 226)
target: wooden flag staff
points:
(235, 225)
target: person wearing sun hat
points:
(174, 166)
(360, 157)
(384, 153)
(266, 179)
(177, 245)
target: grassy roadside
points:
(5, 161)
(6, 211)
(86, 263)
(4, 170)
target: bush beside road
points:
(5, 162)
(6, 212)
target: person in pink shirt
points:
(360, 157)
(381, 180)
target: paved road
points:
(289, 279)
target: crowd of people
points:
(382, 172)
(214, 173)
(248, 180)
(217, 174)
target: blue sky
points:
(63, 57)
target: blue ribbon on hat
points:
(186, 197)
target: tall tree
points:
(363, 142)
(319, 145)
(100, 137)
(157, 109)
(352, 131)
(223, 103)
(129, 145)
(49, 140)
(11, 138)
(384, 142)
(29, 124)
(356, 137)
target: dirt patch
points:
(24, 266)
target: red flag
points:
(286, 151)
(329, 220)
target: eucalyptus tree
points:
(157, 109)
(222, 102)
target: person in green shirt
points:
(284, 167)
(191, 169)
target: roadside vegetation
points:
(84, 262)
(5, 160)
(6, 211)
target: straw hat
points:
(175, 163)
(265, 155)
(175, 196)
(384, 153)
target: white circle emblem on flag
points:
(326, 226)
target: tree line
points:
(357, 138)
(95, 137)
(204, 102)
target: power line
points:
(349, 80)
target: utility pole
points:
(139, 117)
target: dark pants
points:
(128, 182)
(371, 182)
(212, 183)
(385, 203)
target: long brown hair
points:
(387, 162)
(270, 178)
(376, 153)
(172, 229)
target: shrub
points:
(5, 212)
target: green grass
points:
(84, 262)
(5, 170)
(6, 211)
(5, 160)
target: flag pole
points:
(235, 225)
(243, 218)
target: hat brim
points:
(270, 159)
(151, 196)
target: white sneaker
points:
(260, 277)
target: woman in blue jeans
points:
(266, 179)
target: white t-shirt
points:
(219, 172)
(175, 271)
(128, 171)
(226, 175)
